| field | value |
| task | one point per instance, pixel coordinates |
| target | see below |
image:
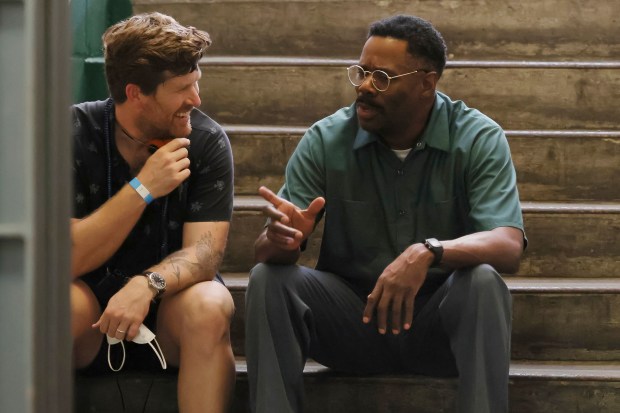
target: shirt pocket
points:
(355, 227)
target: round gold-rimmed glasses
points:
(380, 79)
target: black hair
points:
(424, 41)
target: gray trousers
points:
(294, 313)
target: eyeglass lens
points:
(380, 79)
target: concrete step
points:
(550, 163)
(518, 95)
(534, 388)
(565, 239)
(555, 29)
(542, 310)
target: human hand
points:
(396, 288)
(289, 225)
(126, 310)
(166, 168)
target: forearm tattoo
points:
(207, 259)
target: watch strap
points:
(152, 285)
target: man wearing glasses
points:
(421, 215)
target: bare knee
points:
(84, 312)
(209, 312)
(84, 308)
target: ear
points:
(429, 84)
(133, 92)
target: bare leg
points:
(84, 312)
(193, 329)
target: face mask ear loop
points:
(110, 361)
(159, 353)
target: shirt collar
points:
(437, 131)
(435, 135)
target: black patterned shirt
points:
(207, 195)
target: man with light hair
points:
(153, 187)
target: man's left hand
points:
(396, 288)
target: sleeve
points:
(211, 183)
(492, 183)
(304, 178)
(80, 185)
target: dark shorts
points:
(138, 357)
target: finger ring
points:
(120, 331)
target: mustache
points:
(368, 102)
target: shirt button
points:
(402, 212)
(418, 144)
(400, 172)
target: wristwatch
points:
(436, 248)
(156, 281)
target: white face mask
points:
(145, 336)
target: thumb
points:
(315, 206)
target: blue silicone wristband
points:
(141, 190)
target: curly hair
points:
(424, 41)
(148, 49)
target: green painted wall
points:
(89, 19)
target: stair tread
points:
(558, 370)
(239, 280)
(564, 133)
(249, 202)
(265, 60)
(596, 371)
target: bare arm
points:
(203, 249)
(115, 219)
(401, 280)
(501, 248)
(198, 260)
(106, 223)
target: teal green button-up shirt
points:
(457, 180)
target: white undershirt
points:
(402, 153)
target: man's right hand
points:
(289, 225)
(126, 310)
(167, 168)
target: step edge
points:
(257, 130)
(231, 60)
(565, 371)
(238, 281)
(520, 370)
(256, 203)
(223, 60)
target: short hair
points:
(147, 49)
(424, 41)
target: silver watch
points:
(156, 281)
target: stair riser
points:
(560, 245)
(516, 98)
(562, 168)
(334, 394)
(566, 326)
(539, 326)
(472, 29)
(570, 245)
(549, 168)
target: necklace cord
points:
(152, 148)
